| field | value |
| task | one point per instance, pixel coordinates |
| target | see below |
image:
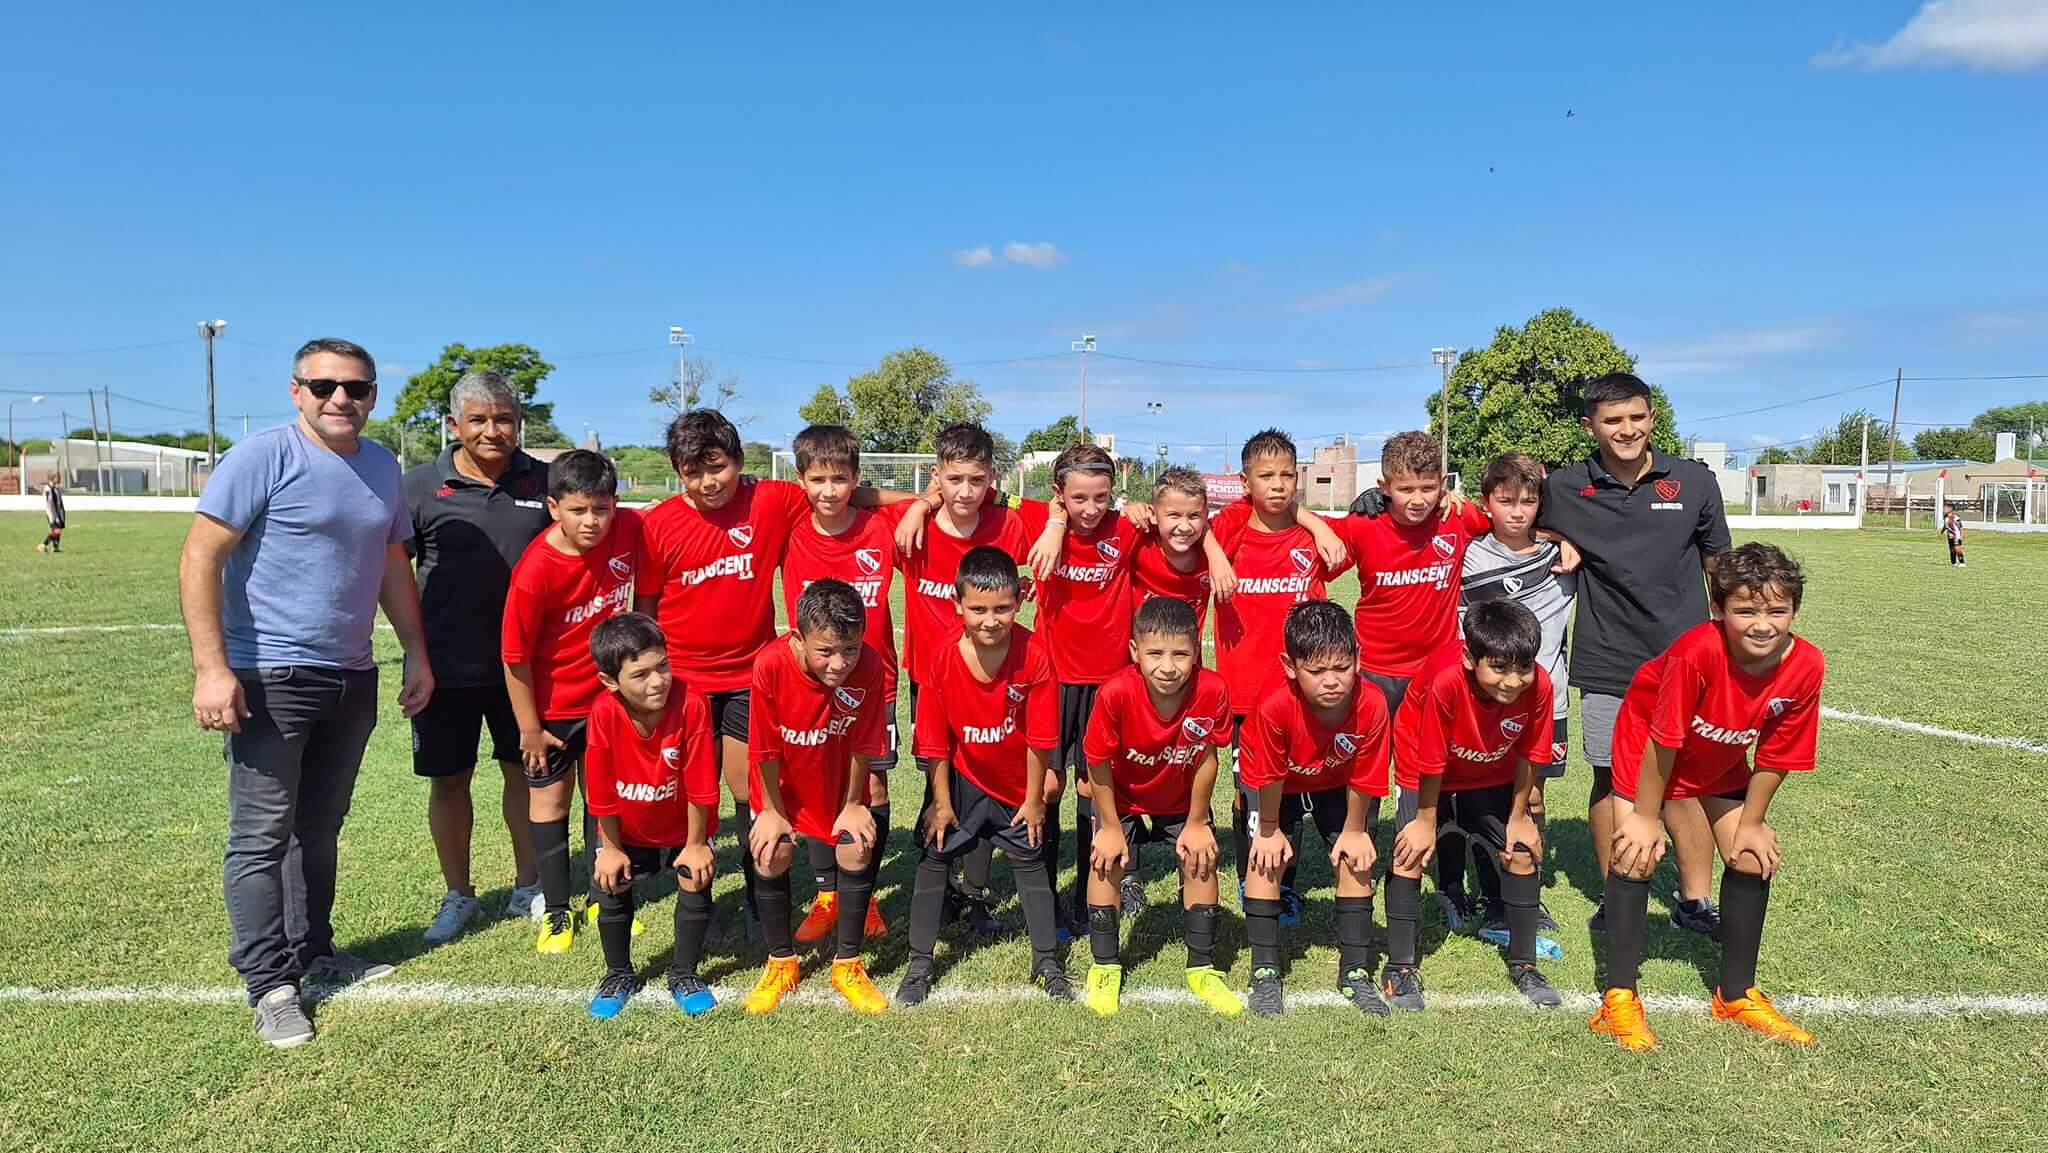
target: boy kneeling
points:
(1151, 751)
(651, 780)
(817, 716)
(1685, 729)
(1474, 728)
(1315, 746)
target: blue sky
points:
(1762, 201)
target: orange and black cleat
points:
(851, 978)
(821, 922)
(1754, 1011)
(876, 926)
(1621, 1017)
(777, 980)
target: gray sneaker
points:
(281, 1020)
(342, 968)
(456, 912)
(526, 902)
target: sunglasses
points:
(356, 389)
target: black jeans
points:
(291, 774)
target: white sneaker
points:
(526, 901)
(457, 911)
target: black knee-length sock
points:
(693, 919)
(772, 901)
(1041, 909)
(1198, 925)
(927, 905)
(1404, 908)
(1628, 909)
(856, 889)
(1104, 935)
(1744, 898)
(1262, 928)
(1520, 894)
(551, 854)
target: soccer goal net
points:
(901, 471)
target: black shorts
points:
(1141, 829)
(644, 861)
(1395, 689)
(887, 760)
(562, 760)
(1327, 806)
(729, 713)
(1077, 703)
(983, 818)
(1560, 750)
(444, 735)
(1481, 814)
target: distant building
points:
(1335, 476)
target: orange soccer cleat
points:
(821, 922)
(851, 978)
(1754, 1011)
(776, 982)
(876, 926)
(1621, 1017)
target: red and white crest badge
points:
(1667, 488)
(1304, 560)
(741, 535)
(1444, 544)
(849, 699)
(867, 560)
(622, 567)
(1108, 548)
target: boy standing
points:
(989, 711)
(586, 568)
(53, 511)
(1467, 744)
(1685, 730)
(1173, 561)
(1951, 531)
(652, 783)
(815, 723)
(1151, 751)
(1315, 746)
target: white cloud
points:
(1760, 439)
(1981, 35)
(974, 257)
(1991, 327)
(1370, 288)
(1725, 351)
(1042, 255)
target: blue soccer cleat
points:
(613, 994)
(691, 995)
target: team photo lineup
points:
(631, 660)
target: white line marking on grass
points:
(73, 630)
(2020, 743)
(817, 995)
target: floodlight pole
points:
(1445, 358)
(1084, 346)
(682, 340)
(210, 329)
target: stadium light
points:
(1445, 358)
(13, 446)
(1084, 346)
(682, 340)
(208, 329)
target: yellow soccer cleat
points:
(590, 921)
(851, 978)
(557, 933)
(822, 922)
(1208, 984)
(1621, 1017)
(1754, 1011)
(1105, 987)
(777, 980)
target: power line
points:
(94, 351)
(2014, 376)
(1292, 370)
(1690, 421)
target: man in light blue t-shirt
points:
(300, 537)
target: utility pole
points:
(107, 400)
(1863, 469)
(210, 329)
(94, 402)
(682, 340)
(1445, 358)
(1084, 346)
(1891, 454)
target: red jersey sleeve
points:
(1351, 552)
(646, 576)
(1262, 757)
(520, 631)
(764, 735)
(1678, 698)
(1538, 737)
(1369, 764)
(1033, 514)
(600, 790)
(1099, 743)
(1790, 738)
(933, 739)
(870, 736)
(700, 752)
(1473, 519)
(1042, 700)
(1229, 523)
(1425, 746)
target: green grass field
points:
(1907, 874)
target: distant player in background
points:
(1951, 531)
(53, 508)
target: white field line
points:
(1853, 717)
(440, 993)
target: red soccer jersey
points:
(1447, 728)
(556, 599)
(815, 732)
(650, 781)
(1152, 575)
(983, 729)
(1694, 699)
(717, 587)
(863, 556)
(930, 620)
(1152, 760)
(1408, 584)
(1275, 572)
(1084, 607)
(1283, 741)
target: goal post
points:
(899, 471)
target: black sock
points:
(1084, 847)
(1262, 929)
(1450, 859)
(1744, 897)
(1486, 867)
(772, 902)
(743, 828)
(974, 869)
(1628, 907)
(1519, 893)
(551, 853)
(693, 920)
(1404, 905)
(1354, 930)
(590, 844)
(1103, 934)
(856, 889)
(1241, 837)
(1288, 875)
(1198, 925)
(824, 865)
(927, 905)
(1041, 910)
(615, 929)
(881, 815)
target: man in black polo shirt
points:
(1647, 527)
(474, 511)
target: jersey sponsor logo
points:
(1511, 726)
(849, 699)
(1294, 585)
(868, 560)
(603, 604)
(739, 564)
(644, 792)
(926, 586)
(1667, 506)
(1512, 584)
(1778, 705)
(1667, 488)
(1304, 560)
(622, 567)
(1589, 490)
(741, 535)
(1721, 736)
(988, 734)
(1436, 574)
(812, 738)
(445, 491)
(1092, 574)
(530, 503)
(1174, 755)
(1197, 727)
(1445, 544)
(1477, 756)
(1108, 549)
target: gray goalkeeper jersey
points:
(1492, 572)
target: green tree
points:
(685, 390)
(424, 401)
(902, 404)
(1842, 442)
(1953, 444)
(1521, 393)
(1775, 455)
(2014, 418)
(645, 463)
(1055, 437)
